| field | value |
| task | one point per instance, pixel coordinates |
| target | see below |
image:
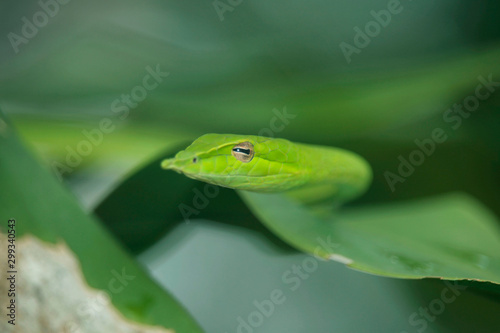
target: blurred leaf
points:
(452, 237)
(326, 108)
(44, 209)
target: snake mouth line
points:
(169, 164)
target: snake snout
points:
(168, 163)
(176, 164)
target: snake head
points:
(240, 162)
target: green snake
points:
(309, 173)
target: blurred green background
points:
(235, 75)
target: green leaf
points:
(451, 237)
(44, 209)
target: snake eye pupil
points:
(243, 152)
(195, 159)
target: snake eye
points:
(243, 152)
(195, 159)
